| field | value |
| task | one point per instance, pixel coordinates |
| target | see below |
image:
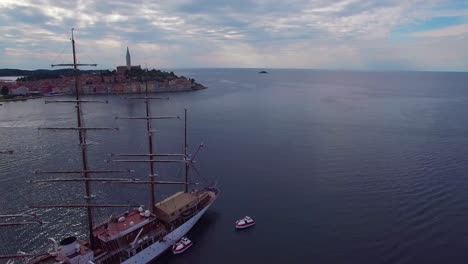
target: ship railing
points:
(152, 238)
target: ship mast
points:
(186, 158)
(82, 130)
(151, 156)
(84, 157)
(150, 149)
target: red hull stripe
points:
(245, 225)
(184, 248)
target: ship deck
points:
(114, 229)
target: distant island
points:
(262, 72)
(124, 79)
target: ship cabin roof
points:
(171, 207)
(122, 224)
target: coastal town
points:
(124, 79)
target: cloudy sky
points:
(319, 34)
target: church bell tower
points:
(129, 62)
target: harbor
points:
(125, 79)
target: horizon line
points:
(266, 68)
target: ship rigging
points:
(136, 235)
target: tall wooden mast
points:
(151, 157)
(186, 158)
(83, 143)
(152, 174)
(85, 172)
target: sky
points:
(428, 35)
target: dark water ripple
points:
(336, 167)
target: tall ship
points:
(136, 235)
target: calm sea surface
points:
(335, 167)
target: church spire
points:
(129, 63)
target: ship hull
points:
(156, 249)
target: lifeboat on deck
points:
(245, 222)
(182, 245)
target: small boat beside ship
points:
(245, 222)
(181, 246)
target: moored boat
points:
(245, 222)
(181, 246)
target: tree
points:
(5, 91)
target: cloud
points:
(452, 31)
(353, 34)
